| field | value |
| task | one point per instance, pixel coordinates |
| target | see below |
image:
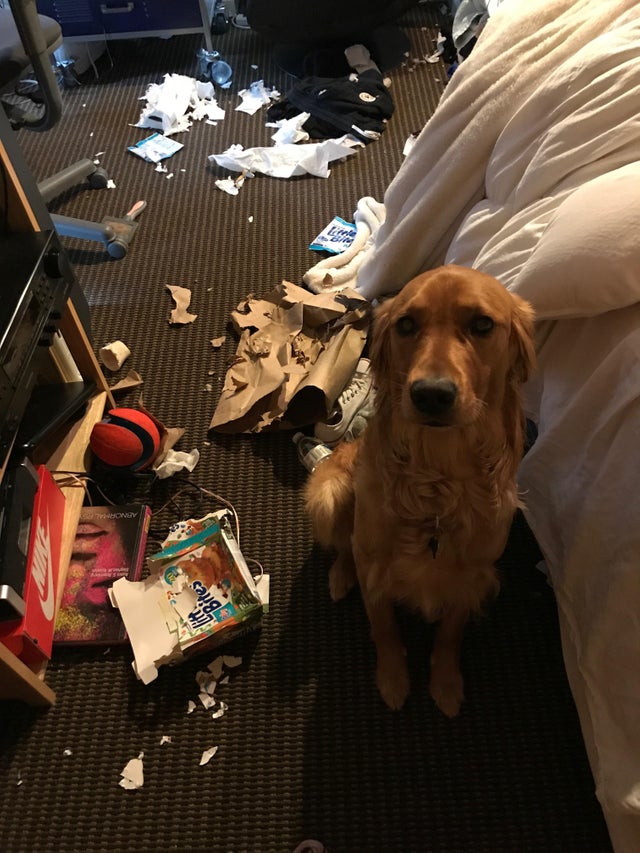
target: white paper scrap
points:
(285, 161)
(177, 460)
(165, 739)
(133, 774)
(290, 129)
(174, 104)
(151, 641)
(191, 706)
(228, 185)
(207, 700)
(219, 712)
(185, 602)
(408, 145)
(207, 755)
(255, 97)
(231, 661)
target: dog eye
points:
(481, 325)
(406, 325)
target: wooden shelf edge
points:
(17, 681)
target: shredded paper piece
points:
(255, 97)
(175, 461)
(285, 161)
(175, 103)
(296, 353)
(182, 298)
(133, 774)
(207, 755)
(290, 129)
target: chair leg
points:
(71, 176)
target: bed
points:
(530, 170)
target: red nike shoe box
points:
(30, 638)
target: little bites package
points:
(30, 638)
(200, 593)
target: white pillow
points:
(587, 259)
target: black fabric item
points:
(359, 104)
(314, 22)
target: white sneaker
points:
(355, 399)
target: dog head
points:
(451, 344)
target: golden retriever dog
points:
(419, 507)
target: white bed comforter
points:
(530, 170)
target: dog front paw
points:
(448, 693)
(392, 678)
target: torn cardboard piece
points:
(296, 353)
(133, 774)
(132, 380)
(182, 298)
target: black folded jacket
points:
(359, 104)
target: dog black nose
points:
(433, 396)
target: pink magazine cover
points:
(110, 543)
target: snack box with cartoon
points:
(199, 594)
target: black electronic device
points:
(36, 280)
(17, 494)
(48, 408)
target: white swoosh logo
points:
(47, 603)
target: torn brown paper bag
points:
(297, 351)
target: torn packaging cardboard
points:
(296, 353)
(200, 594)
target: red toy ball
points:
(126, 439)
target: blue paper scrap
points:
(155, 148)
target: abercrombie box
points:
(30, 638)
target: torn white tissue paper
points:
(285, 161)
(231, 661)
(228, 185)
(173, 104)
(219, 712)
(165, 739)
(435, 57)
(290, 129)
(255, 97)
(177, 460)
(133, 774)
(191, 706)
(207, 755)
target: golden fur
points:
(419, 507)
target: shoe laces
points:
(357, 384)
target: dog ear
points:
(379, 343)
(522, 339)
